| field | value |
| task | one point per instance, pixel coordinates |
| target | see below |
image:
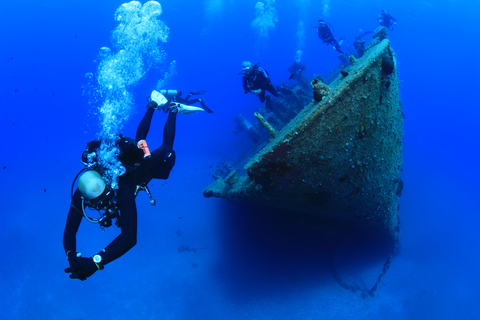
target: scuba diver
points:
(359, 43)
(296, 69)
(386, 20)
(325, 33)
(93, 193)
(257, 80)
(175, 95)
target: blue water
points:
(250, 264)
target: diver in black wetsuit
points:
(175, 95)
(386, 20)
(257, 80)
(359, 43)
(325, 33)
(296, 69)
(92, 192)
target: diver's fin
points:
(184, 109)
(338, 49)
(198, 92)
(158, 98)
(268, 103)
(207, 109)
(204, 106)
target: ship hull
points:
(341, 157)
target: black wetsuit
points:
(296, 69)
(158, 166)
(325, 33)
(257, 78)
(386, 20)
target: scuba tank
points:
(171, 93)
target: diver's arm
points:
(128, 224)
(74, 219)
(263, 73)
(83, 267)
(244, 84)
(144, 126)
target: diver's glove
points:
(81, 268)
(74, 265)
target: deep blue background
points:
(250, 264)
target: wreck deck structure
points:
(340, 158)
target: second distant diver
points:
(386, 20)
(296, 69)
(257, 80)
(325, 33)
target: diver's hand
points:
(74, 266)
(81, 268)
(173, 107)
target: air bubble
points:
(137, 47)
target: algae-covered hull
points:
(340, 158)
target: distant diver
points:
(296, 69)
(325, 33)
(386, 20)
(359, 43)
(256, 80)
(175, 96)
(138, 166)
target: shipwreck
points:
(340, 156)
